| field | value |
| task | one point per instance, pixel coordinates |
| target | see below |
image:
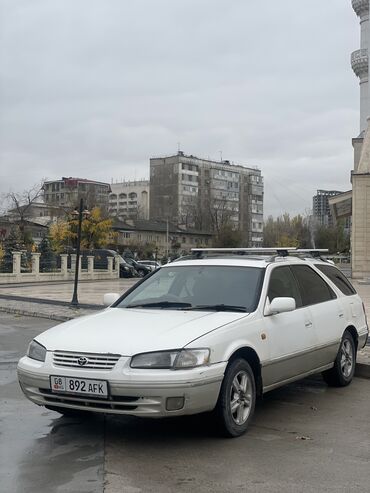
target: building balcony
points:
(361, 7)
(360, 63)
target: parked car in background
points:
(204, 334)
(141, 269)
(101, 261)
(152, 264)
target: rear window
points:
(338, 278)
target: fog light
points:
(174, 403)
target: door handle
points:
(341, 315)
(308, 324)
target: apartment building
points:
(205, 194)
(67, 192)
(129, 199)
(321, 208)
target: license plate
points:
(80, 386)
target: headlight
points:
(36, 351)
(175, 360)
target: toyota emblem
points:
(82, 361)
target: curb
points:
(362, 370)
(29, 313)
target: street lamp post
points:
(78, 213)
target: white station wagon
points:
(206, 334)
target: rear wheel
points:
(237, 399)
(140, 272)
(344, 366)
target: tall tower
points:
(360, 60)
(360, 176)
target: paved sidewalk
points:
(52, 300)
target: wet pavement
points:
(41, 452)
(305, 438)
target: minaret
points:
(360, 60)
(360, 177)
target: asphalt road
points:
(305, 437)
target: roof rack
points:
(279, 251)
(314, 252)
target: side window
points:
(283, 284)
(336, 276)
(313, 288)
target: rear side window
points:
(339, 279)
(313, 288)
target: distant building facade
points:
(204, 194)
(166, 238)
(129, 199)
(42, 213)
(321, 207)
(68, 191)
(35, 229)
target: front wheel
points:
(344, 366)
(237, 399)
(140, 272)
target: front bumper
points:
(131, 392)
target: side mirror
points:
(110, 298)
(280, 305)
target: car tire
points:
(141, 272)
(237, 399)
(69, 413)
(344, 365)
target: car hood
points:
(131, 331)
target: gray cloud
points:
(93, 89)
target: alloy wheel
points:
(346, 358)
(240, 397)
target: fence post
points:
(36, 265)
(116, 270)
(90, 266)
(64, 264)
(17, 264)
(110, 265)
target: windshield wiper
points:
(160, 304)
(219, 308)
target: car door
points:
(326, 311)
(291, 336)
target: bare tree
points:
(19, 203)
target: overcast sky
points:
(94, 88)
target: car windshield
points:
(207, 287)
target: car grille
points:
(94, 361)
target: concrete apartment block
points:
(198, 193)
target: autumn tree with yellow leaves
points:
(96, 232)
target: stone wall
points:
(62, 274)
